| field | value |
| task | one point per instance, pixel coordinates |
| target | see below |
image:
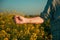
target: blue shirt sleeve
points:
(49, 11)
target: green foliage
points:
(11, 31)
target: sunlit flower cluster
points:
(11, 31)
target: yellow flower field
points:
(11, 31)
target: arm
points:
(22, 20)
(35, 20)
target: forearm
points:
(35, 20)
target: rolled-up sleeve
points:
(49, 11)
(46, 15)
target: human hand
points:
(20, 19)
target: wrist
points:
(29, 20)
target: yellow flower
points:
(9, 22)
(37, 30)
(42, 33)
(2, 26)
(3, 31)
(6, 39)
(3, 21)
(32, 27)
(8, 29)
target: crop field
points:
(9, 30)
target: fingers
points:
(19, 19)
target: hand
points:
(20, 19)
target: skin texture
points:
(22, 20)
